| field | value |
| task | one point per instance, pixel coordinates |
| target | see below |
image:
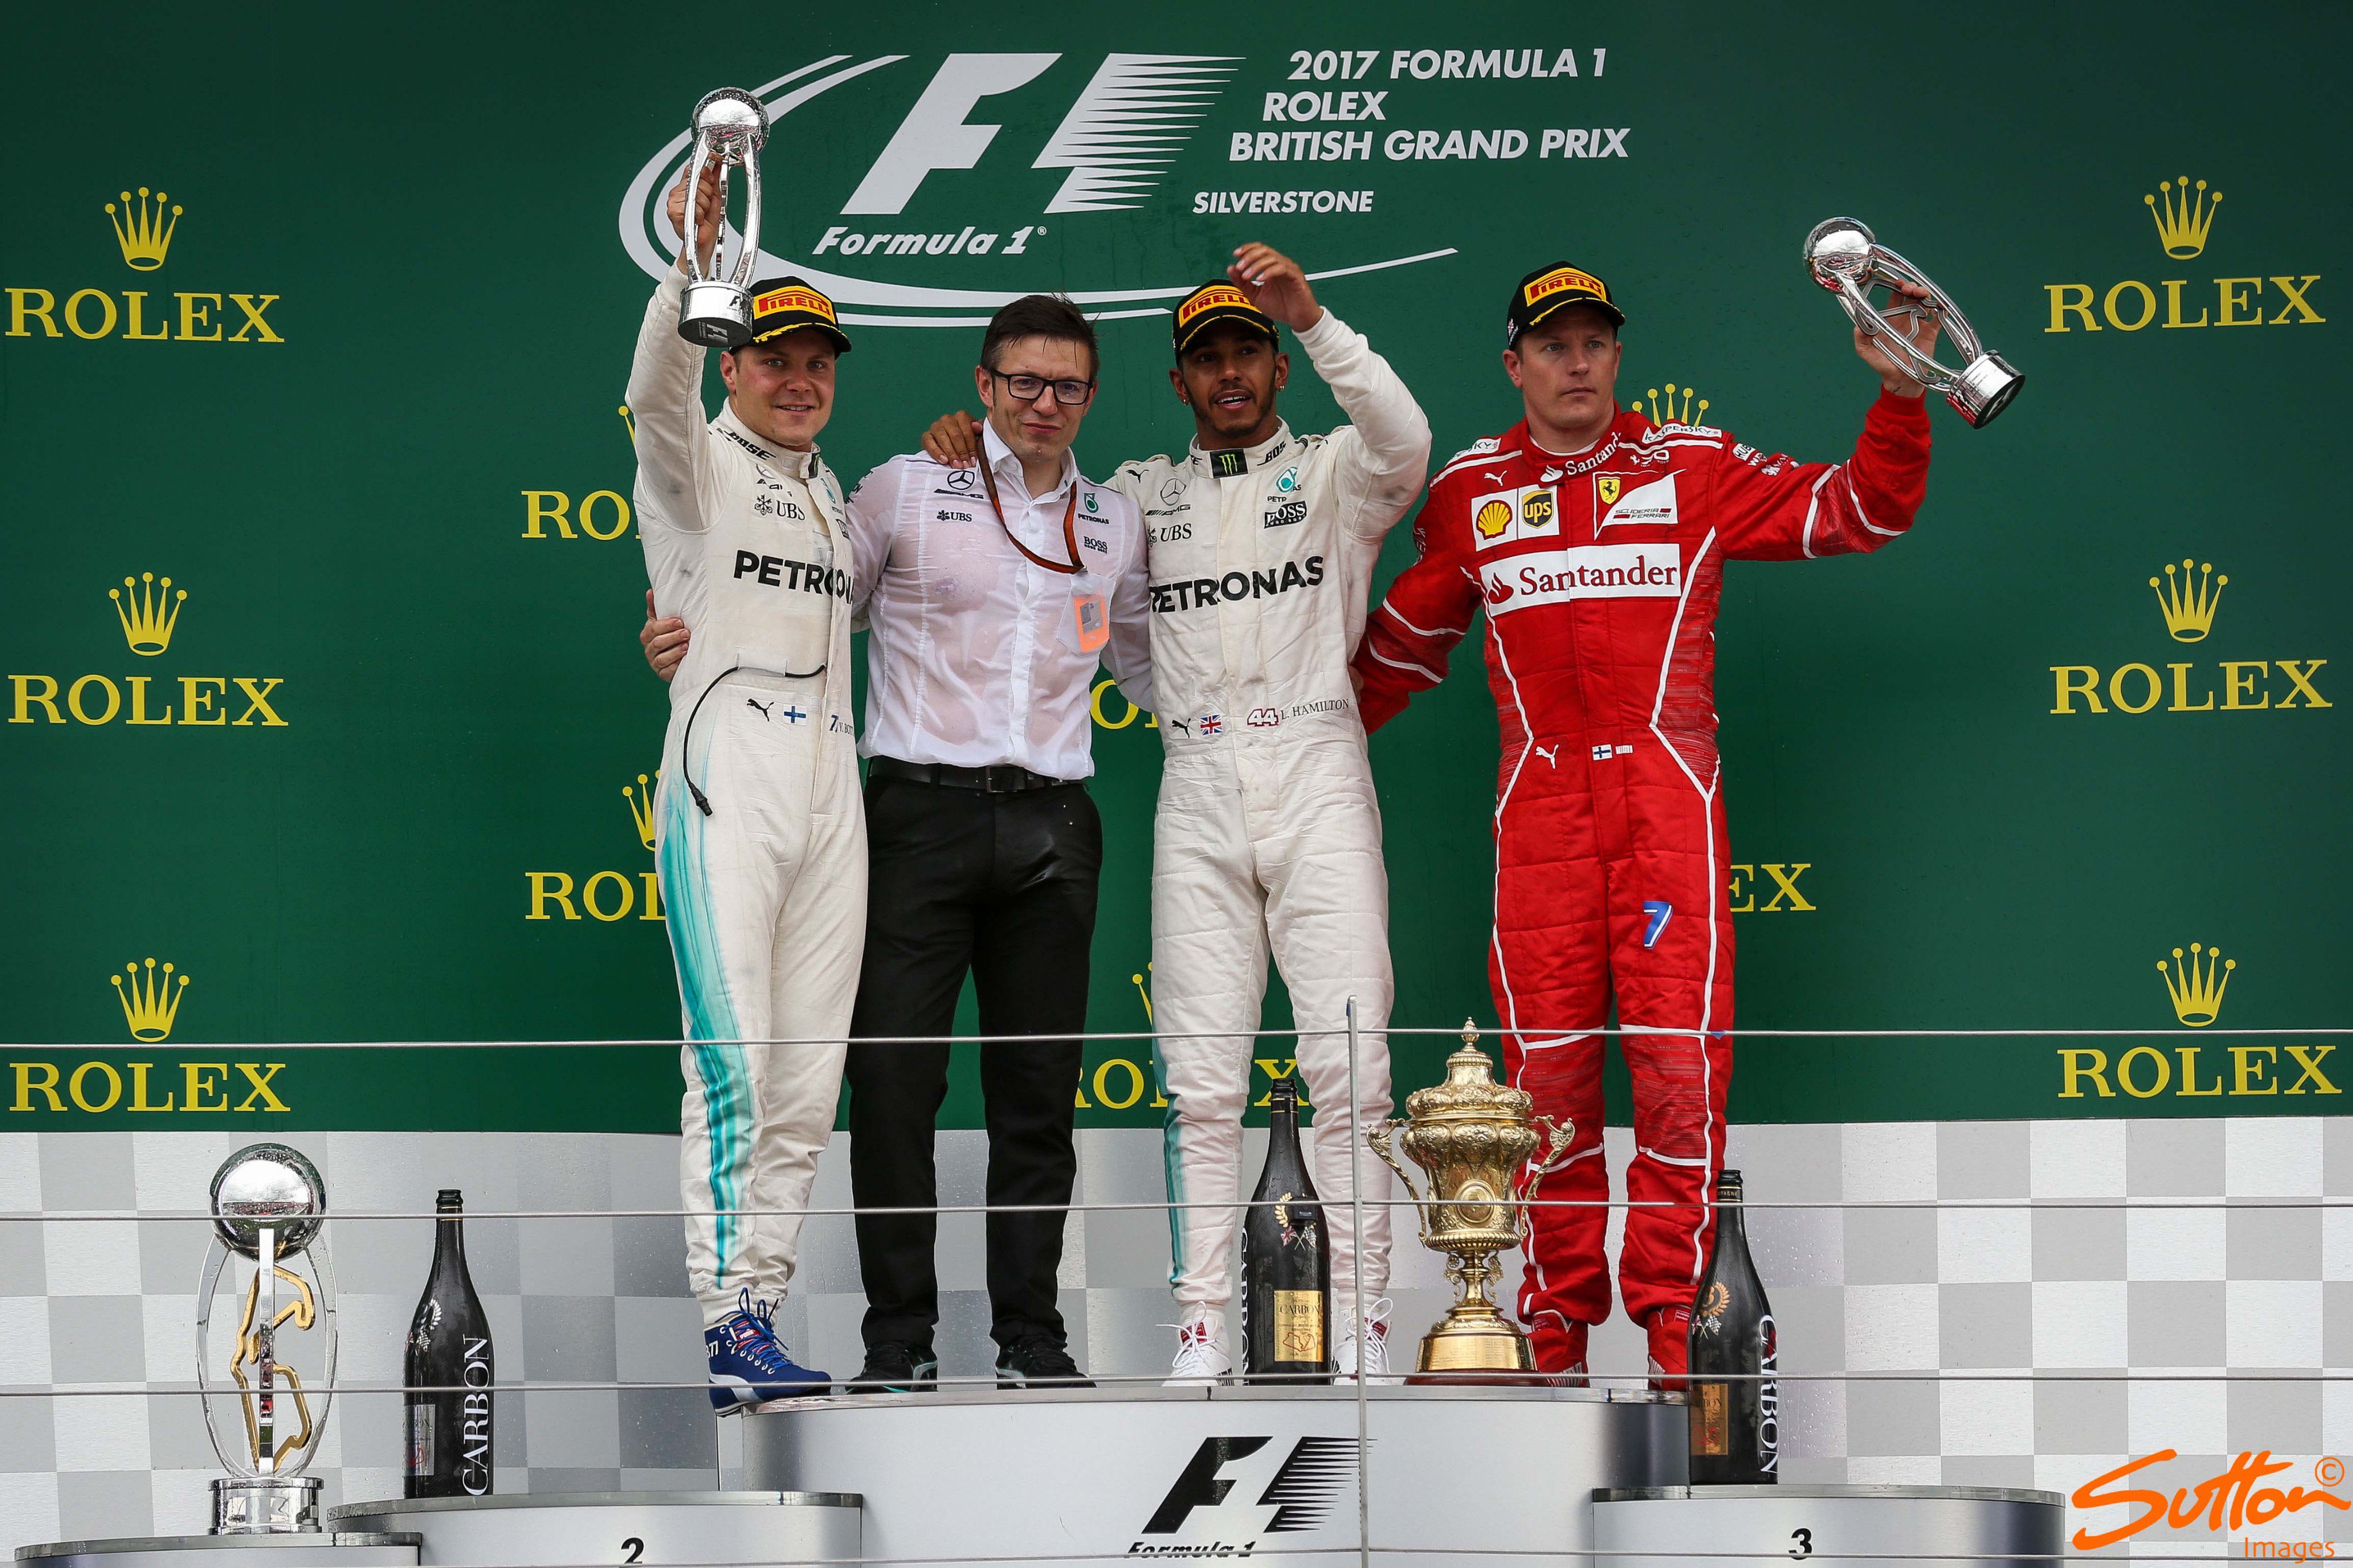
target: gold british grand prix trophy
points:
(1472, 1136)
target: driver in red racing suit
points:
(1596, 540)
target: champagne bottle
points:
(1735, 1425)
(1286, 1261)
(449, 1347)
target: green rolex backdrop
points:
(321, 590)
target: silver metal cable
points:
(2023, 1205)
(1610, 1032)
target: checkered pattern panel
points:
(2241, 1289)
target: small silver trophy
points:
(1845, 259)
(730, 125)
(268, 1204)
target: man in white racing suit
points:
(761, 833)
(1268, 836)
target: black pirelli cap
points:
(1548, 290)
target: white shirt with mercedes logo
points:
(976, 657)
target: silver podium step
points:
(1856, 1526)
(1269, 1473)
(309, 1549)
(715, 1530)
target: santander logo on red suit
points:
(1653, 570)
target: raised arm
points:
(1771, 507)
(1384, 453)
(666, 389)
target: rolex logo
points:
(148, 611)
(2189, 604)
(2183, 210)
(2182, 218)
(1668, 411)
(1143, 990)
(149, 1003)
(147, 608)
(144, 231)
(605, 896)
(2196, 984)
(640, 797)
(2187, 595)
(630, 421)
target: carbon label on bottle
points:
(1299, 1325)
(420, 1439)
(1711, 1418)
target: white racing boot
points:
(1364, 1346)
(1202, 1358)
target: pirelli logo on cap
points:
(808, 299)
(1561, 281)
(1211, 299)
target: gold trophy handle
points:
(1558, 1134)
(1378, 1137)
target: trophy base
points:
(716, 315)
(1473, 1339)
(1984, 389)
(265, 1505)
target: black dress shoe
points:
(893, 1368)
(1039, 1362)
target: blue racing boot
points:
(749, 1364)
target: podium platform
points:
(1268, 1473)
(1856, 1526)
(310, 1548)
(711, 1530)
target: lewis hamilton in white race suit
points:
(761, 832)
(1261, 546)
(1268, 836)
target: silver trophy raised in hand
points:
(1848, 260)
(730, 126)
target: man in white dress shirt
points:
(995, 593)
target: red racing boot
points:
(1560, 1351)
(1670, 1330)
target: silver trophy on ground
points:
(268, 1204)
(730, 125)
(1848, 260)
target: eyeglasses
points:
(1025, 388)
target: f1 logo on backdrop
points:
(1233, 1492)
(1121, 136)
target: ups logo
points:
(1537, 511)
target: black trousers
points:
(1003, 885)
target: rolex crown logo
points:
(2182, 217)
(2189, 602)
(1145, 990)
(148, 1004)
(1667, 411)
(148, 610)
(630, 420)
(640, 796)
(2196, 985)
(144, 231)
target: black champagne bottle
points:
(1736, 1424)
(1286, 1258)
(449, 1434)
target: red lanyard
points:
(1069, 520)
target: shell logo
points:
(1493, 518)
